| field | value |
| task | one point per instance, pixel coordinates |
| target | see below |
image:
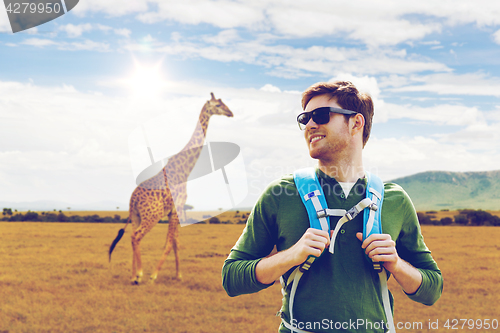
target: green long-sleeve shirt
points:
(342, 287)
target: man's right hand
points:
(313, 242)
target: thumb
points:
(359, 235)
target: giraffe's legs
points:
(172, 242)
(178, 273)
(136, 257)
(136, 222)
(147, 223)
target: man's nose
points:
(311, 124)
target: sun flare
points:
(146, 80)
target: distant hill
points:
(436, 190)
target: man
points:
(339, 289)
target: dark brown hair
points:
(347, 96)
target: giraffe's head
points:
(216, 106)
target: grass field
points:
(55, 277)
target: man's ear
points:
(357, 123)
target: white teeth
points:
(316, 138)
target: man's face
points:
(327, 141)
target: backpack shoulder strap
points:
(312, 196)
(373, 217)
(373, 225)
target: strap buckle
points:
(352, 213)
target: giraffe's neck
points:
(181, 164)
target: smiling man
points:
(340, 291)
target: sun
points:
(146, 80)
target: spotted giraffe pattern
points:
(164, 195)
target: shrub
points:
(461, 219)
(423, 218)
(76, 218)
(31, 216)
(61, 217)
(480, 217)
(214, 220)
(49, 217)
(446, 221)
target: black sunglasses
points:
(320, 116)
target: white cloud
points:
(365, 84)
(288, 61)
(496, 37)
(222, 38)
(478, 83)
(75, 30)
(85, 45)
(123, 32)
(442, 114)
(111, 7)
(38, 42)
(378, 23)
(220, 13)
(398, 157)
(270, 88)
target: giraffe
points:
(164, 195)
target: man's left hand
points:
(381, 248)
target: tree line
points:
(59, 216)
(465, 217)
(55, 216)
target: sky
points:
(82, 96)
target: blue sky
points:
(74, 91)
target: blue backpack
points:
(318, 212)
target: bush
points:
(446, 221)
(62, 218)
(76, 218)
(495, 220)
(31, 216)
(461, 219)
(49, 217)
(17, 217)
(423, 218)
(479, 217)
(92, 218)
(214, 220)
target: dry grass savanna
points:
(55, 277)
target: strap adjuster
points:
(307, 264)
(321, 213)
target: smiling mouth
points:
(316, 138)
